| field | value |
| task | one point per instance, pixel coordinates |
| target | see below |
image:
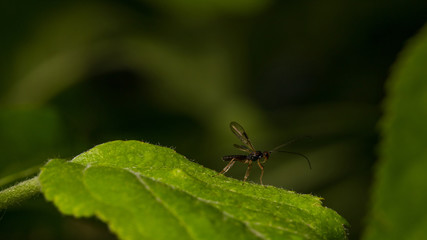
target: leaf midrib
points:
(209, 202)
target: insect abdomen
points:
(236, 157)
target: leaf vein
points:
(161, 202)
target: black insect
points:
(254, 155)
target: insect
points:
(253, 155)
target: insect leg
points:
(262, 171)
(229, 165)
(248, 171)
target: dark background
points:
(74, 74)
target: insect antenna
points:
(276, 149)
(299, 154)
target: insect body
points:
(253, 155)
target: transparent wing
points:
(242, 148)
(241, 134)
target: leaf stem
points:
(19, 192)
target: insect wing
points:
(242, 148)
(241, 134)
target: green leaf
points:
(400, 194)
(143, 191)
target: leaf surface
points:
(143, 191)
(400, 195)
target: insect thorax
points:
(253, 156)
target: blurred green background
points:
(74, 74)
